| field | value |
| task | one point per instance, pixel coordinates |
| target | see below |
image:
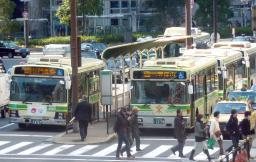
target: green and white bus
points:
(248, 51)
(162, 86)
(40, 91)
(229, 68)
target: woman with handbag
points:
(215, 131)
(200, 137)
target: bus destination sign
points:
(159, 75)
(39, 71)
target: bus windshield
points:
(159, 92)
(28, 89)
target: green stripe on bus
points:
(173, 108)
(17, 106)
(58, 108)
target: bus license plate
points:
(158, 121)
(36, 121)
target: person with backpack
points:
(233, 130)
(200, 137)
(246, 132)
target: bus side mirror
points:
(190, 89)
(68, 83)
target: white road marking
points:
(82, 150)
(7, 125)
(34, 149)
(186, 150)
(4, 142)
(14, 147)
(159, 150)
(202, 156)
(57, 149)
(106, 151)
(142, 146)
(23, 135)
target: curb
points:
(58, 139)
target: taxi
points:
(225, 107)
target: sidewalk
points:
(97, 133)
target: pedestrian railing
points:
(226, 157)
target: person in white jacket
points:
(215, 131)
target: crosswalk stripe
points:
(82, 150)
(57, 150)
(142, 146)
(106, 151)
(4, 142)
(34, 149)
(202, 156)
(186, 150)
(14, 147)
(159, 150)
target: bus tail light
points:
(188, 111)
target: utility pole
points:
(215, 20)
(188, 21)
(74, 56)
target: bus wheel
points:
(22, 125)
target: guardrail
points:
(225, 158)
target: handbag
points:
(210, 143)
(217, 133)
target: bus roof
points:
(249, 48)
(226, 55)
(188, 63)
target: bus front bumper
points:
(61, 122)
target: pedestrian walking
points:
(215, 131)
(135, 128)
(121, 128)
(180, 133)
(83, 113)
(246, 132)
(233, 130)
(200, 138)
(129, 130)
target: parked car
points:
(57, 49)
(244, 38)
(88, 52)
(11, 49)
(225, 107)
(93, 47)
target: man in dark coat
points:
(233, 130)
(180, 133)
(83, 115)
(121, 128)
